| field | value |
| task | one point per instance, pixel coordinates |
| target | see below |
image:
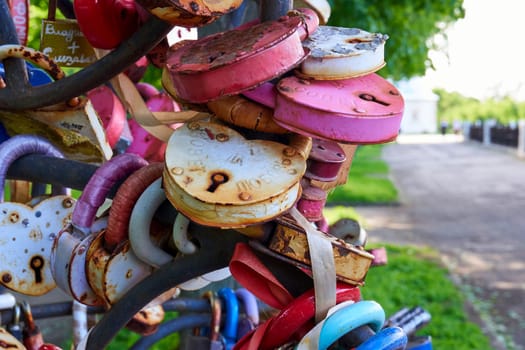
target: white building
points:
(420, 114)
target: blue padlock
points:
(231, 305)
(251, 311)
(342, 319)
(391, 338)
(35, 75)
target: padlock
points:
(111, 265)
(321, 7)
(20, 14)
(189, 14)
(245, 113)
(289, 240)
(28, 230)
(231, 312)
(325, 160)
(201, 71)
(422, 342)
(110, 110)
(340, 320)
(312, 202)
(35, 75)
(350, 231)
(14, 327)
(216, 177)
(135, 72)
(212, 341)
(362, 110)
(32, 336)
(409, 319)
(250, 318)
(294, 320)
(63, 40)
(107, 23)
(391, 338)
(73, 126)
(139, 233)
(342, 53)
(147, 320)
(68, 258)
(9, 342)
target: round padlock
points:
(362, 110)
(325, 160)
(342, 53)
(340, 320)
(28, 230)
(390, 338)
(227, 63)
(68, 258)
(112, 267)
(311, 203)
(216, 177)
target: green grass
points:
(367, 181)
(412, 277)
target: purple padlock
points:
(325, 160)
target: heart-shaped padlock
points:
(112, 267)
(73, 126)
(360, 110)
(342, 53)
(28, 230)
(216, 177)
(227, 63)
(68, 258)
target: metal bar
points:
(65, 308)
(273, 9)
(141, 42)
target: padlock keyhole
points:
(217, 179)
(372, 98)
(37, 264)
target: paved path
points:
(468, 201)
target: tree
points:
(412, 25)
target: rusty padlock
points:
(112, 267)
(74, 126)
(201, 71)
(216, 177)
(362, 110)
(33, 339)
(28, 230)
(71, 245)
(189, 13)
(342, 53)
(325, 160)
(289, 240)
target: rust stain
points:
(35, 235)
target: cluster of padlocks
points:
(255, 126)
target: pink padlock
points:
(325, 160)
(230, 62)
(110, 110)
(362, 110)
(144, 144)
(312, 202)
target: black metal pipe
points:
(142, 41)
(216, 250)
(273, 9)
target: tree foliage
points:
(453, 105)
(412, 25)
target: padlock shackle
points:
(21, 145)
(392, 338)
(231, 312)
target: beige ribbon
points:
(323, 266)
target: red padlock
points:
(110, 110)
(107, 23)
